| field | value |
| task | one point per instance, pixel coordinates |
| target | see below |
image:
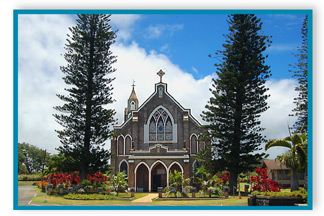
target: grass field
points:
(59, 200)
(231, 201)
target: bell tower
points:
(132, 103)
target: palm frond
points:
(278, 143)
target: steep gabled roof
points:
(149, 98)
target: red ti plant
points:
(263, 183)
(67, 178)
(97, 178)
(225, 178)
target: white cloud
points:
(156, 31)
(276, 120)
(124, 23)
(135, 63)
(283, 16)
(194, 69)
(283, 47)
(165, 48)
(41, 41)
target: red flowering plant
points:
(67, 179)
(262, 183)
(97, 179)
(225, 178)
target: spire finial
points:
(160, 74)
(133, 84)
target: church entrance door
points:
(142, 179)
(159, 177)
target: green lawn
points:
(231, 201)
(59, 200)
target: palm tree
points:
(177, 181)
(296, 158)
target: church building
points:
(156, 138)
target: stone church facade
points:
(156, 138)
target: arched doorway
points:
(123, 167)
(142, 178)
(159, 177)
(175, 166)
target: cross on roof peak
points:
(160, 74)
(133, 84)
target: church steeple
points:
(132, 103)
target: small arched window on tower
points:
(160, 126)
(132, 105)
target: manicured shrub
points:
(301, 193)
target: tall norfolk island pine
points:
(84, 118)
(239, 97)
(300, 71)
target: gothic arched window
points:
(160, 127)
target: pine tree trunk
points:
(233, 181)
(84, 171)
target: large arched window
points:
(160, 126)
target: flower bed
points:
(93, 197)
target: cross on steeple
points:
(133, 84)
(160, 74)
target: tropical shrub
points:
(118, 182)
(213, 185)
(177, 181)
(42, 185)
(262, 183)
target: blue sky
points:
(188, 39)
(146, 43)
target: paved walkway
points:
(25, 195)
(147, 198)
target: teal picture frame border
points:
(16, 13)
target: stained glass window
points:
(160, 128)
(168, 129)
(152, 129)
